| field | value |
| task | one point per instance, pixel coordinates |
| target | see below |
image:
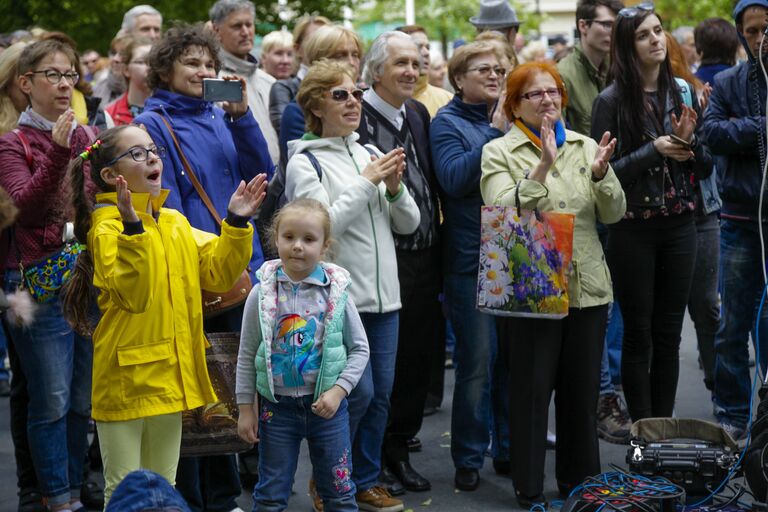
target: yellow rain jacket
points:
(149, 346)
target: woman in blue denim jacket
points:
(457, 135)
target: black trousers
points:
(652, 267)
(19, 400)
(561, 356)
(421, 334)
(212, 483)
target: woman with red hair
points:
(554, 169)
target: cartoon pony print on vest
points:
(293, 350)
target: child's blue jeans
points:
(282, 426)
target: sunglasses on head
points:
(631, 12)
(341, 95)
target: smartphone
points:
(218, 89)
(678, 140)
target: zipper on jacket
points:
(294, 370)
(373, 228)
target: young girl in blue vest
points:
(303, 349)
(148, 266)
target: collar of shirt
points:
(302, 72)
(394, 115)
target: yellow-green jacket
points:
(149, 346)
(568, 188)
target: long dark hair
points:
(625, 72)
(79, 294)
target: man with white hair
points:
(391, 119)
(144, 21)
(233, 22)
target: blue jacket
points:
(457, 136)
(733, 125)
(221, 152)
(292, 127)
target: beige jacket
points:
(568, 188)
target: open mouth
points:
(154, 176)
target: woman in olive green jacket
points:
(554, 169)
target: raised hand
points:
(686, 124)
(389, 169)
(247, 198)
(704, 98)
(236, 110)
(124, 204)
(605, 150)
(548, 150)
(62, 130)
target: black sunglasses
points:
(341, 95)
(631, 12)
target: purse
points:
(213, 302)
(525, 256)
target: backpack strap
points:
(25, 144)
(315, 164)
(685, 91)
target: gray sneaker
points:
(613, 421)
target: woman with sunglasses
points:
(365, 197)
(457, 136)
(652, 250)
(554, 169)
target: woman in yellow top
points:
(149, 265)
(554, 169)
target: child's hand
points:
(248, 423)
(328, 403)
(124, 204)
(247, 198)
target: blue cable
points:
(751, 401)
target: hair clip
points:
(86, 155)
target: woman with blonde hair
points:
(277, 54)
(12, 100)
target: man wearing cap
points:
(734, 126)
(497, 15)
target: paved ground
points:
(495, 493)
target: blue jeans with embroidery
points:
(741, 286)
(282, 427)
(58, 364)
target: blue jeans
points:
(282, 426)
(475, 355)
(610, 366)
(741, 286)
(58, 365)
(369, 401)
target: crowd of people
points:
(345, 186)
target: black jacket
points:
(640, 169)
(281, 94)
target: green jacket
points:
(568, 188)
(334, 358)
(583, 82)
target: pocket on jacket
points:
(146, 370)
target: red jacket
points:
(42, 193)
(120, 110)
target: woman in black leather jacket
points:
(651, 252)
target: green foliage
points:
(678, 13)
(93, 23)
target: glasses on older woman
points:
(54, 77)
(631, 12)
(486, 70)
(538, 96)
(342, 95)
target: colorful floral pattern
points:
(524, 262)
(342, 475)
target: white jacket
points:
(362, 217)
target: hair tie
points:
(86, 155)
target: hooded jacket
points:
(363, 215)
(221, 152)
(149, 345)
(734, 124)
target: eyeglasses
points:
(139, 154)
(342, 95)
(54, 77)
(138, 62)
(486, 70)
(606, 24)
(539, 95)
(631, 12)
